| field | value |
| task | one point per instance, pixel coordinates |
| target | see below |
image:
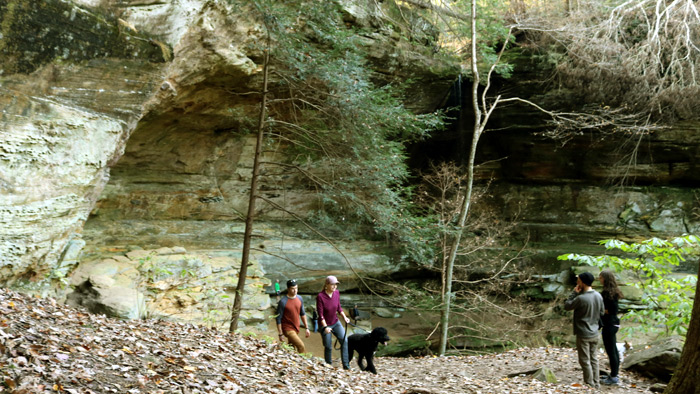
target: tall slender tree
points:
(482, 111)
(341, 135)
(250, 217)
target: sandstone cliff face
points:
(63, 124)
(125, 128)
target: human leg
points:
(327, 347)
(584, 359)
(295, 341)
(610, 343)
(339, 333)
(593, 352)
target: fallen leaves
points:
(47, 347)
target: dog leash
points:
(344, 336)
(357, 327)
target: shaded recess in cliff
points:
(566, 195)
(185, 176)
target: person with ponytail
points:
(328, 308)
(611, 324)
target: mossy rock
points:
(415, 346)
(545, 374)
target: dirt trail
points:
(48, 347)
(405, 327)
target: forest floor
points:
(46, 347)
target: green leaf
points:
(667, 299)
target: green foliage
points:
(492, 32)
(344, 126)
(152, 272)
(217, 305)
(346, 133)
(652, 261)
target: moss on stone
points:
(417, 345)
(33, 34)
(545, 374)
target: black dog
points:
(365, 345)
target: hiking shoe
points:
(611, 381)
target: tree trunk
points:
(686, 379)
(464, 210)
(245, 255)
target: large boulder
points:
(657, 360)
(171, 284)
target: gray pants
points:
(588, 359)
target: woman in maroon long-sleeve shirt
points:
(328, 307)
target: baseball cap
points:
(291, 283)
(331, 279)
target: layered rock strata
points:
(133, 116)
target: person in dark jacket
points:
(611, 324)
(587, 305)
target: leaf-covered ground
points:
(46, 347)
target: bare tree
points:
(640, 56)
(482, 112)
(477, 283)
(250, 218)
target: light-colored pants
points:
(588, 359)
(294, 340)
(339, 332)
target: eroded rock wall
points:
(72, 87)
(127, 128)
(185, 176)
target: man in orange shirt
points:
(290, 310)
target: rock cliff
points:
(125, 128)
(73, 86)
(125, 142)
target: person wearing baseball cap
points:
(290, 309)
(588, 308)
(328, 307)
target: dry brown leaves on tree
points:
(46, 347)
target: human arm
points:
(320, 309)
(342, 313)
(572, 301)
(280, 311)
(337, 308)
(280, 335)
(302, 315)
(306, 324)
(611, 306)
(603, 310)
